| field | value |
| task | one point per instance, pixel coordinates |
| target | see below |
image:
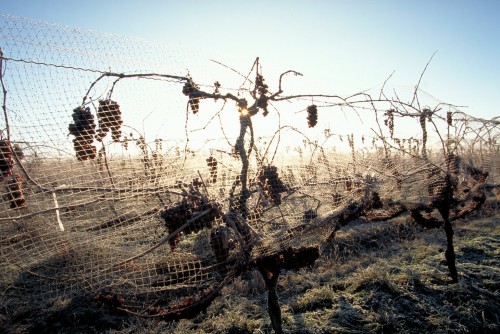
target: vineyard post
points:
(4, 92)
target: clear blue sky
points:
(341, 47)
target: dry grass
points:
(385, 284)
(383, 278)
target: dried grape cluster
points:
(312, 116)
(109, 117)
(309, 215)
(271, 184)
(262, 89)
(83, 128)
(190, 207)
(14, 192)
(389, 121)
(449, 118)
(260, 86)
(212, 164)
(217, 85)
(6, 161)
(13, 182)
(192, 90)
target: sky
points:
(341, 47)
(359, 43)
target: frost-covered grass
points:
(388, 277)
(384, 278)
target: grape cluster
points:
(309, 215)
(191, 205)
(6, 161)
(262, 89)
(13, 182)
(83, 128)
(271, 184)
(389, 120)
(217, 85)
(376, 201)
(192, 90)
(109, 117)
(260, 86)
(212, 164)
(14, 192)
(312, 116)
(174, 216)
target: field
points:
(139, 194)
(373, 279)
(209, 241)
(381, 278)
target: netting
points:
(129, 173)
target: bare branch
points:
(420, 79)
(383, 85)
(279, 86)
(139, 75)
(235, 71)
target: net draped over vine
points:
(127, 178)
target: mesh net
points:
(125, 179)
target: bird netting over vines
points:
(131, 173)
